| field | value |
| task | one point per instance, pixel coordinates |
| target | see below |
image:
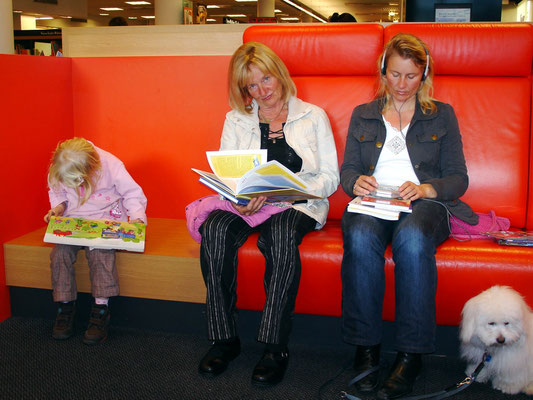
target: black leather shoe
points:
(270, 368)
(367, 358)
(218, 357)
(404, 372)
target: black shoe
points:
(98, 322)
(270, 368)
(404, 372)
(218, 357)
(64, 324)
(367, 358)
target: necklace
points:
(268, 121)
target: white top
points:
(394, 166)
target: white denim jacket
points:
(308, 132)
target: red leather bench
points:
(160, 115)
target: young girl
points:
(88, 182)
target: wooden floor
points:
(169, 268)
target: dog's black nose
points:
(500, 340)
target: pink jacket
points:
(198, 211)
(116, 195)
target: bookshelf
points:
(38, 42)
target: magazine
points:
(512, 238)
(241, 175)
(357, 207)
(99, 234)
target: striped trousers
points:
(279, 237)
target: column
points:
(265, 8)
(168, 12)
(6, 27)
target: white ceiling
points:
(363, 10)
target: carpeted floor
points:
(144, 364)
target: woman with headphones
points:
(403, 138)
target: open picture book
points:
(241, 175)
(98, 234)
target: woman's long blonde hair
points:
(75, 163)
(239, 74)
(411, 47)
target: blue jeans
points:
(414, 239)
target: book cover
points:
(512, 238)
(388, 204)
(240, 176)
(357, 207)
(99, 234)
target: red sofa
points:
(160, 114)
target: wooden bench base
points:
(169, 269)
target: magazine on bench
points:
(512, 238)
(241, 175)
(98, 234)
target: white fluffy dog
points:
(499, 322)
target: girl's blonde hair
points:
(239, 74)
(75, 164)
(409, 46)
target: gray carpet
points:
(143, 364)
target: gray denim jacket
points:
(434, 146)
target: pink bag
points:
(487, 223)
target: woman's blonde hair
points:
(410, 47)
(75, 163)
(239, 74)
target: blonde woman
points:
(407, 139)
(266, 114)
(88, 182)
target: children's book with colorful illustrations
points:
(99, 234)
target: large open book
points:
(244, 174)
(99, 234)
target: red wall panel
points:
(36, 113)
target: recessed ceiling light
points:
(277, 11)
(211, 20)
(44, 17)
(212, 6)
(289, 2)
(104, 15)
(148, 16)
(236, 15)
(290, 18)
(137, 3)
(17, 11)
(246, 1)
(111, 9)
(132, 17)
(66, 16)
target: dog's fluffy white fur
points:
(499, 322)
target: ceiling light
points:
(212, 6)
(104, 15)
(137, 3)
(44, 17)
(148, 16)
(17, 11)
(246, 1)
(211, 20)
(289, 2)
(111, 9)
(277, 11)
(66, 16)
(290, 18)
(236, 15)
(132, 17)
